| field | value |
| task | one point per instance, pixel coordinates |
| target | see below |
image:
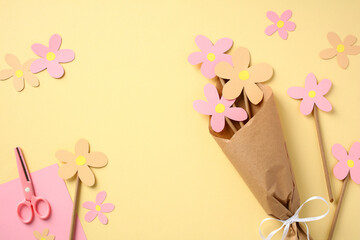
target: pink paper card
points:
(49, 185)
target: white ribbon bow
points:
(295, 218)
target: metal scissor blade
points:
(21, 164)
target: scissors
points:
(31, 201)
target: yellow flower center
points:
(98, 208)
(280, 24)
(350, 163)
(220, 108)
(211, 57)
(340, 48)
(42, 238)
(244, 75)
(19, 73)
(50, 56)
(312, 93)
(80, 160)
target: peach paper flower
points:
(242, 76)
(348, 162)
(281, 24)
(44, 235)
(19, 72)
(98, 208)
(340, 49)
(80, 162)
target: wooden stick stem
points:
(247, 105)
(326, 172)
(75, 206)
(333, 224)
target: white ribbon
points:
(295, 218)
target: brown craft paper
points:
(258, 152)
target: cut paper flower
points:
(281, 24)
(340, 49)
(210, 54)
(80, 162)
(98, 208)
(242, 76)
(44, 235)
(51, 57)
(312, 94)
(218, 108)
(348, 162)
(19, 72)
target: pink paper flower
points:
(218, 108)
(210, 54)
(98, 208)
(52, 56)
(347, 162)
(281, 24)
(313, 93)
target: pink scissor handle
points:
(22, 205)
(35, 201)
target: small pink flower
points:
(210, 54)
(52, 56)
(281, 24)
(218, 108)
(313, 93)
(347, 162)
(98, 208)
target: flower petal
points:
(31, 79)
(283, 33)
(272, 16)
(68, 170)
(323, 104)
(6, 74)
(103, 219)
(286, 15)
(328, 53)
(196, 58)
(355, 172)
(203, 107)
(341, 170)
(270, 30)
(241, 58)
(38, 65)
(217, 122)
(65, 156)
(55, 69)
(310, 82)
(86, 175)
(334, 39)
(296, 92)
(203, 43)
(90, 216)
(107, 207)
(260, 72)
(54, 42)
(350, 40)
(306, 105)
(224, 70)
(82, 147)
(89, 205)
(211, 94)
(27, 64)
(343, 60)
(100, 197)
(18, 83)
(223, 44)
(290, 26)
(65, 55)
(51, 237)
(37, 235)
(13, 61)
(40, 49)
(232, 89)
(354, 152)
(236, 113)
(339, 152)
(207, 69)
(96, 159)
(352, 50)
(45, 232)
(253, 92)
(323, 87)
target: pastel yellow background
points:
(130, 92)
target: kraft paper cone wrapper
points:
(258, 152)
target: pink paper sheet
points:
(49, 185)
